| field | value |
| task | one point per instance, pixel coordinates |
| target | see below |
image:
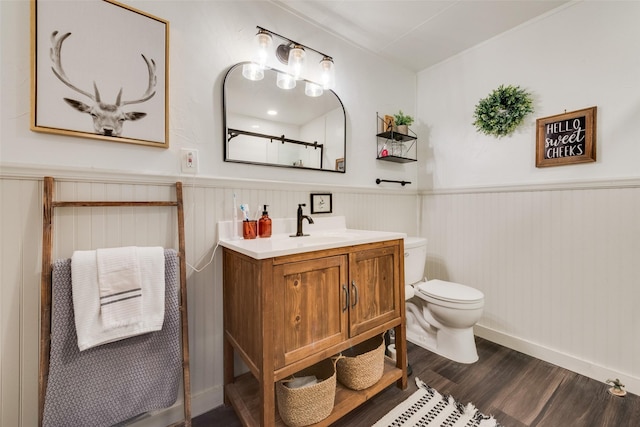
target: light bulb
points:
(252, 71)
(312, 89)
(328, 76)
(285, 81)
(263, 41)
(296, 61)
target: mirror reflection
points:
(301, 127)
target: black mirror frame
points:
(225, 131)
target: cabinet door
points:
(374, 287)
(309, 307)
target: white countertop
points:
(326, 233)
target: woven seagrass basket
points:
(311, 404)
(362, 365)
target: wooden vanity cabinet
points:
(376, 290)
(309, 301)
(286, 313)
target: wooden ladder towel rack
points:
(45, 287)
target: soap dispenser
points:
(264, 224)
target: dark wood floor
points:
(518, 390)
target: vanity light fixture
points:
(296, 61)
(252, 71)
(328, 73)
(255, 69)
(294, 55)
(285, 81)
(263, 41)
(313, 89)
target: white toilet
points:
(440, 315)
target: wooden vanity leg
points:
(228, 367)
(268, 398)
(401, 354)
(267, 375)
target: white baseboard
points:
(558, 358)
(201, 402)
(207, 400)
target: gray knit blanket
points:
(114, 382)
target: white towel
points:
(120, 286)
(86, 298)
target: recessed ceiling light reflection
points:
(272, 112)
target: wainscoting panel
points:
(207, 201)
(560, 269)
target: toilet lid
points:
(450, 291)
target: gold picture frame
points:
(99, 70)
(566, 138)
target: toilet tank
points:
(415, 257)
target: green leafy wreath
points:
(501, 112)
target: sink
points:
(322, 235)
(318, 239)
(341, 234)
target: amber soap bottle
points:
(264, 224)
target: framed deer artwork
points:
(99, 70)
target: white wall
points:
(574, 57)
(206, 38)
(503, 222)
(554, 249)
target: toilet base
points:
(457, 345)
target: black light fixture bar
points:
(294, 42)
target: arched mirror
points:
(267, 125)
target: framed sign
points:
(389, 123)
(99, 70)
(321, 203)
(566, 138)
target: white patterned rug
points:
(427, 407)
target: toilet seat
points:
(450, 292)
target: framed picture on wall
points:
(99, 70)
(321, 203)
(566, 138)
(340, 164)
(389, 123)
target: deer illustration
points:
(107, 118)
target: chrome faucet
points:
(299, 221)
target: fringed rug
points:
(427, 407)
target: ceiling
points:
(417, 33)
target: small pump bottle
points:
(264, 224)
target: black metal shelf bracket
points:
(378, 181)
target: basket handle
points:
(335, 358)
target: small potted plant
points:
(402, 122)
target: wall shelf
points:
(397, 159)
(395, 136)
(393, 146)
